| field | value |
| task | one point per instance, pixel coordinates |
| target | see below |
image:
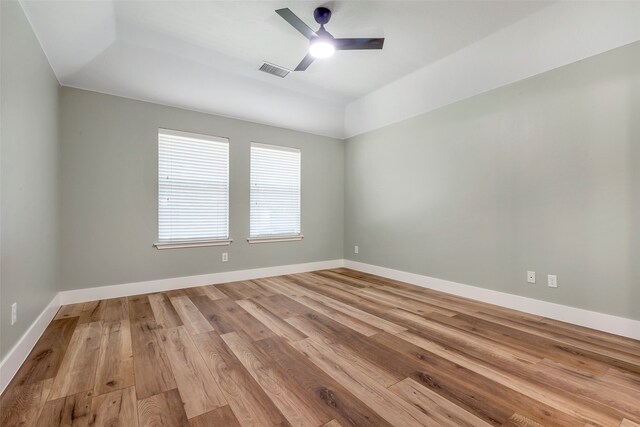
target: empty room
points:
(324, 214)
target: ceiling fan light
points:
(322, 49)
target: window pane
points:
(193, 187)
(275, 191)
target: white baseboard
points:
(137, 288)
(578, 316)
(604, 322)
(18, 354)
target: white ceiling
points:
(557, 35)
(204, 55)
(418, 33)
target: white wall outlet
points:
(531, 276)
(552, 281)
(356, 250)
(225, 256)
(14, 313)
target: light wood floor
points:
(330, 348)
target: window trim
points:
(180, 244)
(275, 238)
(191, 244)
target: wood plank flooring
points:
(329, 348)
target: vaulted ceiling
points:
(205, 55)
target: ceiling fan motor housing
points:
(322, 15)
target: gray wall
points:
(109, 193)
(29, 176)
(541, 175)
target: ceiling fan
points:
(321, 43)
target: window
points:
(275, 193)
(193, 190)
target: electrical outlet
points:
(14, 313)
(356, 250)
(531, 276)
(225, 256)
(552, 281)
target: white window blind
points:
(193, 187)
(275, 191)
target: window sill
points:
(194, 244)
(274, 239)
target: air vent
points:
(276, 70)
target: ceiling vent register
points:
(276, 70)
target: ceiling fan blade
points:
(356, 44)
(296, 22)
(306, 61)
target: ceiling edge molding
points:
(557, 35)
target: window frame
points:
(178, 244)
(276, 238)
